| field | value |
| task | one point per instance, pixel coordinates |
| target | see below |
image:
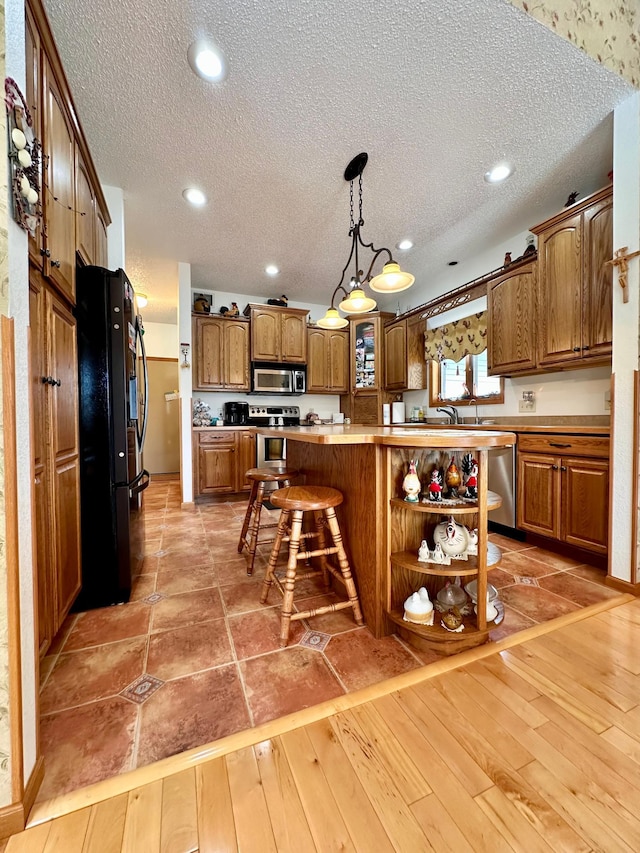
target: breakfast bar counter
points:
(368, 465)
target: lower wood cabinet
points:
(563, 489)
(56, 457)
(221, 457)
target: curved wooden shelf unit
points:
(457, 568)
(435, 507)
(436, 637)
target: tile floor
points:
(194, 656)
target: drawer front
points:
(216, 438)
(565, 445)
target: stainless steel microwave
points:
(278, 379)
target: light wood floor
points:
(528, 746)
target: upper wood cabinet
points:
(85, 212)
(328, 361)
(511, 325)
(58, 190)
(278, 334)
(574, 285)
(221, 354)
(405, 368)
(74, 212)
(363, 404)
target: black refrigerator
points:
(113, 390)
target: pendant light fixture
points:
(391, 280)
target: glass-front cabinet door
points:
(367, 362)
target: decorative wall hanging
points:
(457, 339)
(621, 260)
(24, 157)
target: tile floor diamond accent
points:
(315, 640)
(526, 581)
(154, 598)
(140, 689)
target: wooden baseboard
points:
(13, 818)
(623, 586)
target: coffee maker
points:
(235, 414)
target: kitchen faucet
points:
(452, 412)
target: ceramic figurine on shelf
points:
(424, 554)
(411, 484)
(473, 541)
(234, 311)
(435, 486)
(453, 538)
(439, 556)
(452, 479)
(418, 608)
(472, 480)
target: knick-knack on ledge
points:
(411, 484)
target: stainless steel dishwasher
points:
(502, 480)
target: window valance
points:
(457, 339)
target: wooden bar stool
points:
(294, 502)
(251, 525)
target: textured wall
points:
(607, 30)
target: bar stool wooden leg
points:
(290, 579)
(247, 517)
(322, 544)
(345, 568)
(254, 527)
(283, 523)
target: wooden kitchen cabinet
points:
(221, 354)
(511, 322)
(58, 190)
(278, 334)
(563, 489)
(575, 285)
(56, 457)
(74, 212)
(221, 459)
(363, 404)
(404, 362)
(328, 361)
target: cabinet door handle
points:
(45, 253)
(55, 264)
(576, 349)
(558, 444)
(55, 382)
(586, 347)
(563, 467)
(555, 467)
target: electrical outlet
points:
(607, 401)
(526, 406)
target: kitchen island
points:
(368, 465)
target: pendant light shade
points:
(332, 320)
(391, 279)
(357, 302)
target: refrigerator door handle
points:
(143, 431)
(139, 483)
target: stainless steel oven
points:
(271, 451)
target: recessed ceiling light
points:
(206, 61)
(404, 245)
(498, 174)
(271, 270)
(195, 197)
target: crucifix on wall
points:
(621, 260)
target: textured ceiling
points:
(434, 97)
